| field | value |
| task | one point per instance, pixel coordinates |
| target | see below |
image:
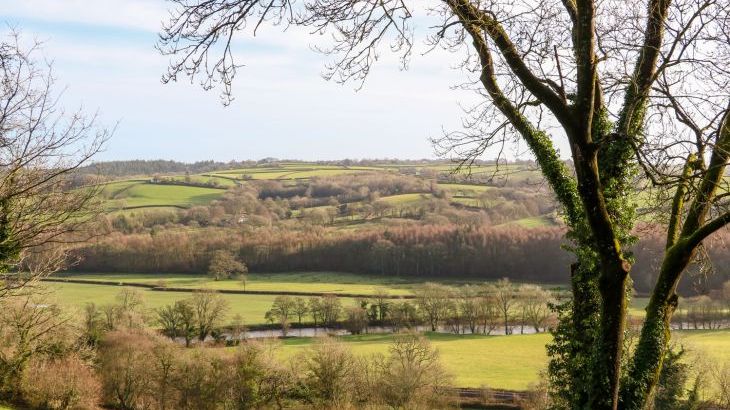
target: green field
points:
(288, 171)
(509, 362)
(206, 179)
(512, 362)
(314, 282)
(466, 190)
(534, 222)
(406, 199)
(140, 193)
(252, 308)
(712, 345)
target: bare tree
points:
(129, 309)
(331, 373)
(381, 304)
(282, 310)
(356, 319)
(210, 310)
(413, 375)
(488, 310)
(534, 302)
(468, 305)
(506, 298)
(169, 320)
(631, 87)
(434, 302)
(41, 146)
(331, 310)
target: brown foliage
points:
(66, 383)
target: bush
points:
(67, 383)
(412, 375)
(201, 381)
(330, 374)
(256, 378)
(31, 330)
(126, 365)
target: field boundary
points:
(158, 288)
(487, 398)
(130, 208)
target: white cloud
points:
(136, 14)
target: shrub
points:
(67, 383)
(412, 375)
(330, 374)
(256, 378)
(201, 381)
(125, 360)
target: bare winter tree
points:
(41, 146)
(635, 88)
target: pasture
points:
(310, 282)
(504, 362)
(314, 282)
(509, 362)
(252, 308)
(534, 222)
(141, 193)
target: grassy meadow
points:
(74, 296)
(314, 282)
(512, 362)
(508, 362)
(143, 194)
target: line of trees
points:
(474, 309)
(525, 255)
(442, 251)
(706, 311)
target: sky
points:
(103, 54)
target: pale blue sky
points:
(103, 53)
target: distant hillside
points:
(152, 167)
(137, 167)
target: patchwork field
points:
(140, 194)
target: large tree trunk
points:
(655, 334)
(614, 271)
(681, 246)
